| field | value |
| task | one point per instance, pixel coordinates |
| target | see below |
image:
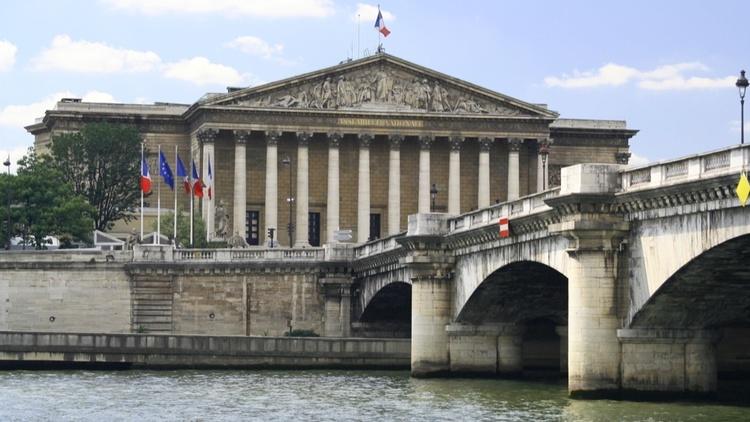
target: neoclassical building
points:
(358, 146)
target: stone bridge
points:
(626, 279)
(623, 279)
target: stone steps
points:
(152, 306)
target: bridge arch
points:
(519, 314)
(386, 312)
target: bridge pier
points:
(338, 307)
(668, 362)
(562, 331)
(430, 265)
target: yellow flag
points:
(743, 189)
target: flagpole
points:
(174, 229)
(157, 239)
(142, 152)
(190, 177)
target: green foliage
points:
(102, 164)
(183, 229)
(301, 333)
(43, 205)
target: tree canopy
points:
(42, 205)
(183, 229)
(102, 164)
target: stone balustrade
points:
(377, 246)
(522, 207)
(726, 161)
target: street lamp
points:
(6, 163)
(287, 161)
(433, 196)
(742, 86)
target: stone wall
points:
(90, 297)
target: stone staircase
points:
(151, 305)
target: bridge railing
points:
(721, 162)
(527, 205)
(377, 246)
(250, 254)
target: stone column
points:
(542, 164)
(394, 185)
(483, 184)
(562, 331)
(473, 348)
(303, 206)
(239, 205)
(207, 138)
(337, 291)
(454, 176)
(509, 344)
(272, 183)
(514, 146)
(423, 200)
(430, 270)
(332, 210)
(363, 192)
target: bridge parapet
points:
(522, 207)
(697, 167)
(167, 254)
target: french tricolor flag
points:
(380, 24)
(145, 177)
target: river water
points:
(315, 396)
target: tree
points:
(102, 164)
(43, 205)
(183, 229)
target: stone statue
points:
(383, 86)
(423, 94)
(237, 241)
(222, 220)
(439, 98)
(326, 94)
(344, 93)
(132, 239)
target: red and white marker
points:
(504, 227)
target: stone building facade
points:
(358, 146)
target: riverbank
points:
(40, 349)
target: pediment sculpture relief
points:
(382, 89)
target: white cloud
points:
(662, 78)
(256, 46)
(200, 71)
(252, 8)
(7, 55)
(734, 127)
(24, 114)
(637, 160)
(369, 12)
(92, 57)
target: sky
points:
(666, 67)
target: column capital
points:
(425, 142)
(272, 137)
(622, 157)
(485, 144)
(365, 139)
(303, 138)
(395, 140)
(207, 136)
(456, 142)
(334, 139)
(543, 145)
(241, 136)
(514, 144)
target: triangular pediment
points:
(380, 83)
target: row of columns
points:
(241, 137)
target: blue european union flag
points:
(166, 171)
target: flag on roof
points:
(380, 24)
(145, 177)
(166, 171)
(181, 172)
(198, 183)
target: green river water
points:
(315, 396)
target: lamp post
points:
(742, 86)
(287, 161)
(6, 163)
(433, 196)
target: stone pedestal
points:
(666, 362)
(429, 265)
(337, 291)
